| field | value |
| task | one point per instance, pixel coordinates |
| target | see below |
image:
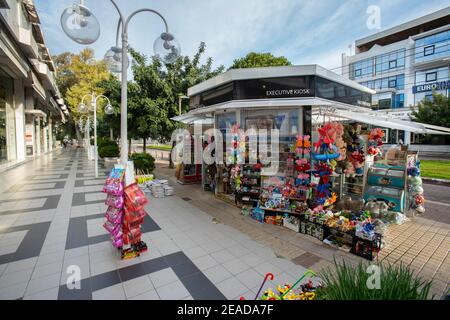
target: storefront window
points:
(7, 122)
(225, 121)
(3, 144)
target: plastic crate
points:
(292, 226)
(313, 229)
(367, 249)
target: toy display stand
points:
(387, 180)
(126, 213)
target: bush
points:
(109, 151)
(143, 162)
(397, 282)
(103, 142)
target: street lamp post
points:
(108, 110)
(78, 17)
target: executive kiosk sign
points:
(319, 84)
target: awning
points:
(331, 109)
(37, 86)
(37, 113)
(385, 122)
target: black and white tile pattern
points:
(51, 216)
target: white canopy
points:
(333, 110)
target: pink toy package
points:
(114, 201)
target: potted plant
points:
(109, 152)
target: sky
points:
(304, 31)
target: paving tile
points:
(163, 277)
(14, 278)
(50, 294)
(222, 256)
(250, 278)
(232, 288)
(205, 262)
(115, 292)
(137, 286)
(44, 283)
(172, 291)
(149, 295)
(236, 266)
(217, 274)
(195, 252)
(47, 270)
(13, 292)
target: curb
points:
(441, 182)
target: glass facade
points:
(394, 82)
(431, 76)
(281, 87)
(388, 62)
(433, 47)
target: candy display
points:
(115, 202)
(125, 214)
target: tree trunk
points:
(144, 146)
(129, 146)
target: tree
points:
(78, 75)
(257, 60)
(153, 93)
(435, 111)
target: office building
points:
(404, 64)
(30, 103)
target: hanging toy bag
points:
(135, 198)
(114, 183)
(114, 215)
(114, 201)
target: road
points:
(437, 203)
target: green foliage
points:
(78, 75)
(109, 151)
(257, 60)
(143, 162)
(397, 282)
(434, 112)
(103, 142)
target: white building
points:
(30, 102)
(404, 64)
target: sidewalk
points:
(51, 220)
(422, 243)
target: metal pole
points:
(88, 139)
(179, 105)
(94, 104)
(124, 106)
